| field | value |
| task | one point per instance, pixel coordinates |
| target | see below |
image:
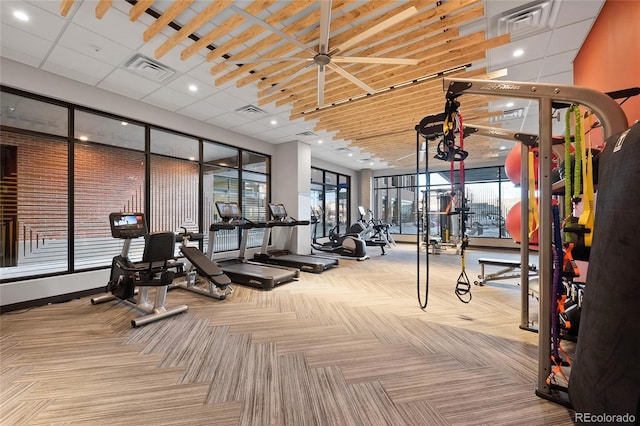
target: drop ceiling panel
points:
(76, 66)
(128, 84)
(91, 44)
(41, 23)
(201, 110)
(169, 99)
(182, 83)
(228, 120)
(22, 47)
(115, 25)
(576, 31)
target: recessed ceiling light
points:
(319, 140)
(274, 122)
(124, 123)
(502, 148)
(517, 53)
(193, 88)
(351, 154)
(509, 104)
(371, 163)
(84, 138)
(20, 15)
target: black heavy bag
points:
(605, 378)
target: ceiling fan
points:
(326, 57)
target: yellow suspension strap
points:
(534, 219)
(587, 217)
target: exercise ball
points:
(512, 223)
(512, 164)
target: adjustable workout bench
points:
(509, 266)
(218, 282)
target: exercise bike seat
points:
(205, 266)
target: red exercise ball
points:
(512, 164)
(512, 223)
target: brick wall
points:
(107, 179)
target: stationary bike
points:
(130, 282)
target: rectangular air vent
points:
(250, 110)
(508, 115)
(148, 68)
(528, 19)
(342, 149)
(306, 135)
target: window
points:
(34, 207)
(330, 198)
(117, 165)
(399, 201)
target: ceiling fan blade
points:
(321, 75)
(284, 82)
(376, 29)
(285, 59)
(352, 78)
(366, 60)
(325, 23)
(249, 17)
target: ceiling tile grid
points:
(359, 75)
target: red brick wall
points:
(41, 186)
(174, 194)
(107, 180)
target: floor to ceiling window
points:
(489, 194)
(65, 168)
(330, 196)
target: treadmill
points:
(308, 263)
(238, 269)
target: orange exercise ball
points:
(512, 164)
(512, 223)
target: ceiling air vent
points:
(147, 67)
(528, 19)
(250, 110)
(342, 149)
(306, 135)
(508, 115)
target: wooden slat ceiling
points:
(380, 123)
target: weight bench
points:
(218, 282)
(508, 270)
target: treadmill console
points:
(278, 212)
(228, 210)
(128, 225)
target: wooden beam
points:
(165, 19)
(290, 9)
(102, 7)
(192, 26)
(139, 8)
(225, 28)
(65, 7)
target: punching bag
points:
(605, 377)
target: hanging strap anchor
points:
(463, 285)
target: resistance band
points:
(534, 219)
(587, 217)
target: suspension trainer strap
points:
(587, 217)
(534, 219)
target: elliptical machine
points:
(130, 282)
(374, 233)
(348, 245)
